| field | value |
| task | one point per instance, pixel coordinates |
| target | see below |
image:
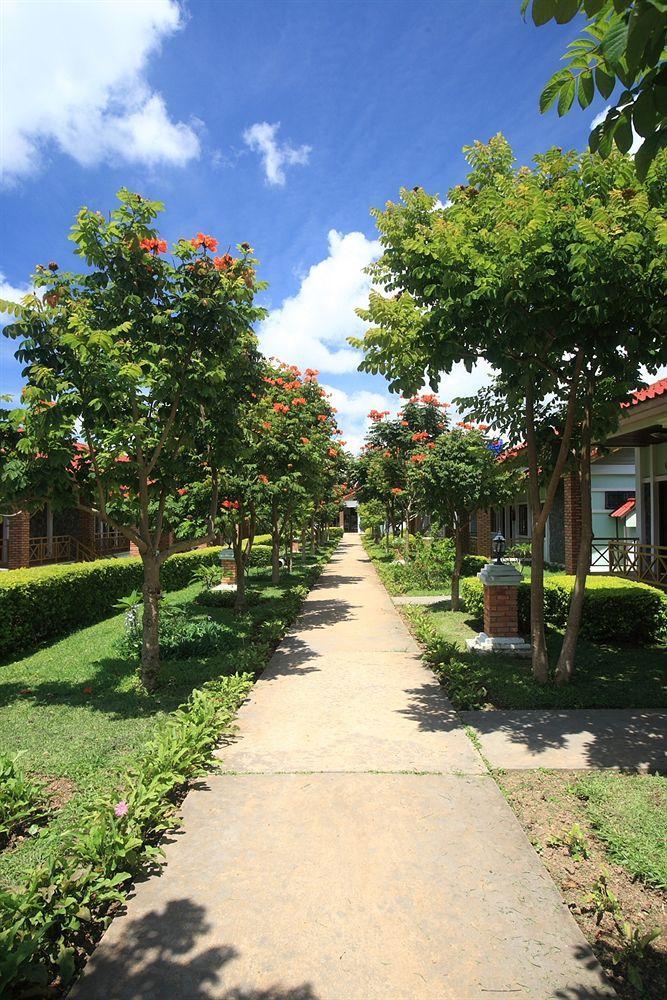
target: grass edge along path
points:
(49, 925)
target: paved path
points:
(427, 599)
(354, 846)
(564, 740)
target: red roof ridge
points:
(651, 391)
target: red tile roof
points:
(652, 391)
(624, 509)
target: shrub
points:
(615, 610)
(45, 925)
(47, 602)
(21, 800)
(226, 598)
(181, 637)
(260, 555)
(472, 565)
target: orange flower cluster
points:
(208, 242)
(466, 425)
(280, 408)
(332, 452)
(420, 436)
(153, 245)
(378, 414)
(230, 504)
(263, 479)
(299, 401)
(223, 263)
(305, 440)
(418, 458)
(321, 417)
(404, 423)
(396, 490)
(266, 425)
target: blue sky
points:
(280, 123)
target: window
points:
(523, 519)
(614, 498)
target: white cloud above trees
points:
(311, 328)
(262, 138)
(75, 79)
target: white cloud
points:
(74, 75)
(10, 293)
(636, 139)
(311, 328)
(353, 409)
(262, 138)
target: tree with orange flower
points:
(137, 370)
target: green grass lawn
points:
(75, 711)
(604, 677)
(629, 814)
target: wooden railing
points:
(630, 558)
(110, 541)
(59, 548)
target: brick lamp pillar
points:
(572, 520)
(484, 533)
(18, 541)
(501, 616)
(228, 567)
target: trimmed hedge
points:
(615, 610)
(47, 602)
(472, 565)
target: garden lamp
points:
(498, 547)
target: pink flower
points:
(121, 808)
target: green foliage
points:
(606, 676)
(615, 610)
(629, 814)
(623, 42)
(260, 555)
(40, 604)
(225, 598)
(575, 841)
(45, 922)
(181, 636)
(208, 576)
(21, 800)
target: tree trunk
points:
(237, 542)
(313, 536)
(565, 665)
(304, 539)
(150, 643)
(458, 563)
(407, 534)
(388, 525)
(275, 544)
(538, 639)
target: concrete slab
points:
(330, 886)
(427, 599)
(344, 883)
(571, 740)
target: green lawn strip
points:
(80, 716)
(76, 713)
(604, 677)
(629, 815)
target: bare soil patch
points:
(548, 810)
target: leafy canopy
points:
(623, 42)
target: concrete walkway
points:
(354, 846)
(572, 740)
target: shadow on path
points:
(155, 963)
(619, 738)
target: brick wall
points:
(571, 520)
(18, 548)
(484, 533)
(500, 611)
